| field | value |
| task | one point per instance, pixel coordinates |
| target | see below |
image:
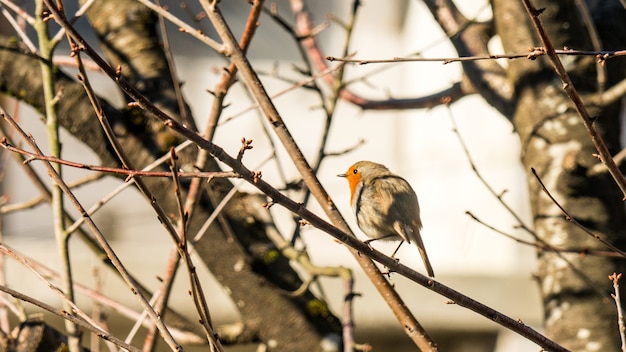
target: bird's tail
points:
(422, 250)
(409, 233)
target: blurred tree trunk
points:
(579, 313)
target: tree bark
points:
(579, 313)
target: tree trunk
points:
(579, 312)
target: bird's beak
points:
(342, 175)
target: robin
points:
(385, 206)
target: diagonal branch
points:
(408, 321)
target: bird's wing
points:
(399, 198)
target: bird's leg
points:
(393, 255)
(367, 242)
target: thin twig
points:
(140, 320)
(618, 303)
(197, 292)
(219, 207)
(10, 208)
(73, 308)
(165, 290)
(18, 29)
(171, 65)
(184, 27)
(116, 171)
(280, 93)
(19, 11)
(532, 54)
(541, 244)
(215, 213)
(574, 221)
(546, 246)
(72, 318)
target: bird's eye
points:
(355, 171)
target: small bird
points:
(385, 206)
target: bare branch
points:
(532, 54)
(116, 171)
(184, 27)
(618, 303)
(74, 319)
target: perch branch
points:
(412, 326)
